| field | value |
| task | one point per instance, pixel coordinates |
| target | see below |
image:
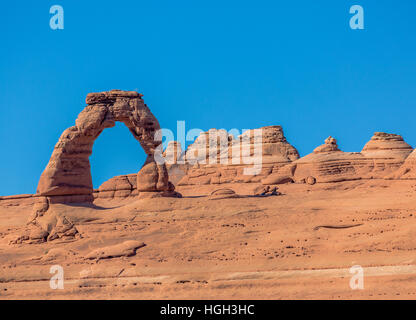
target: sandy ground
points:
(299, 245)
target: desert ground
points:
(297, 245)
(185, 229)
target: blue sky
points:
(213, 64)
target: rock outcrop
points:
(45, 226)
(67, 177)
(124, 249)
(388, 146)
(216, 157)
(330, 145)
(119, 187)
(385, 153)
(210, 148)
(275, 151)
(175, 162)
(68, 171)
(408, 170)
(380, 157)
(327, 163)
(224, 193)
(265, 191)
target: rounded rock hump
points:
(330, 145)
(210, 147)
(381, 158)
(327, 163)
(275, 148)
(118, 187)
(387, 145)
(224, 193)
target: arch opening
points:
(115, 153)
(68, 172)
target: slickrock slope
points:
(298, 245)
(408, 169)
(292, 229)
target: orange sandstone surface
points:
(293, 230)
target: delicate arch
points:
(68, 171)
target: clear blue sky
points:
(243, 64)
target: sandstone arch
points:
(68, 171)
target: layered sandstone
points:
(380, 157)
(408, 170)
(174, 158)
(119, 187)
(387, 145)
(330, 145)
(386, 154)
(327, 163)
(217, 157)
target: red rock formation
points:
(67, 177)
(330, 145)
(387, 145)
(326, 164)
(223, 193)
(381, 156)
(216, 157)
(125, 186)
(118, 187)
(175, 162)
(386, 153)
(408, 170)
(68, 171)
